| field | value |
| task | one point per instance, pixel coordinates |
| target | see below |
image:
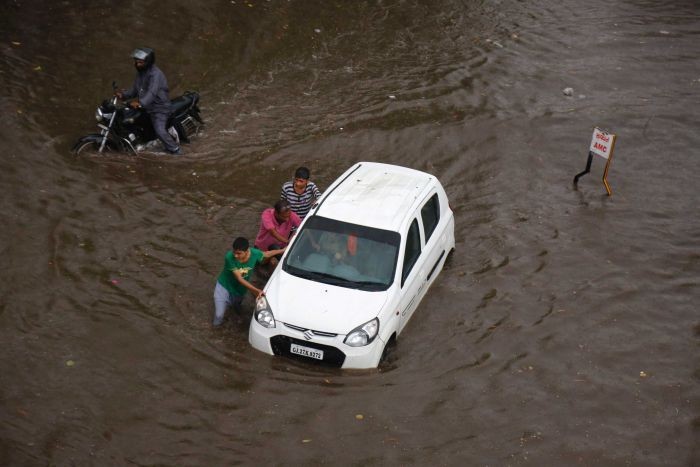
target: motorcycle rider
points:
(150, 89)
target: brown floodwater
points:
(561, 331)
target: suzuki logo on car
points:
(308, 334)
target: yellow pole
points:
(607, 166)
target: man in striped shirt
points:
(300, 192)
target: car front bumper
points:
(280, 339)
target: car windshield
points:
(348, 255)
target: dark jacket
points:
(151, 87)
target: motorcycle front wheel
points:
(92, 146)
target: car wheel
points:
(388, 357)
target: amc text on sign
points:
(601, 143)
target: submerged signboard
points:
(602, 144)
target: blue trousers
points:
(159, 120)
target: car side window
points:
(412, 250)
(430, 213)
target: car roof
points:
(375, 194)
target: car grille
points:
(317, 333)
(331, 355)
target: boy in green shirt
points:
(233, 280)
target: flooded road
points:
(561, 332)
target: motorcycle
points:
(124, 129)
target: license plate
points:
(306, 352)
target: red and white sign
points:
(602, 143)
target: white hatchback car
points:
(357, 268)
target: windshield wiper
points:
(370, 285)
(320, 276)
(332, 279)
(381, 284)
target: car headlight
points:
(364, 334)
(263, 313)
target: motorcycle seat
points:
(185, 102)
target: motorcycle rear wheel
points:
(89, 147)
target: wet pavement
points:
(561, 332)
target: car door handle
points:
(435, 265)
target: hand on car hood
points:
(321, 307)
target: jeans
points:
(222, 300)
(159, 120)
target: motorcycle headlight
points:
(263, 313)
(364, 334)
(101, 115)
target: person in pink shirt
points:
(277, 225)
